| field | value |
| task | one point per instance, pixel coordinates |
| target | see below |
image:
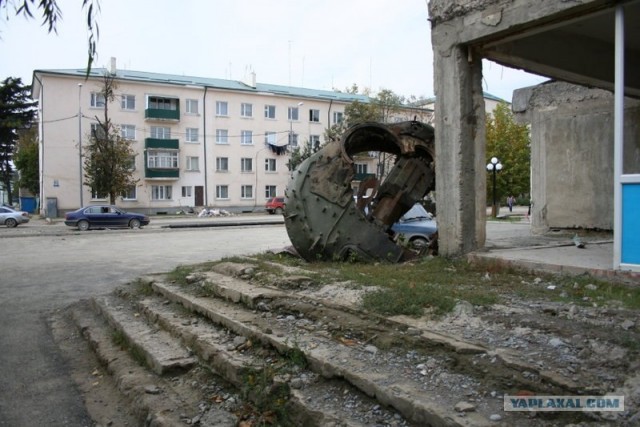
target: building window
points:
(246, 164)
(131, 163)
(293, 114)
(361, 168)
(160, 132)
(338, 116)
(128, 102)
(270, 165)
(222, 136)
(186, 191)
(97, 196)
(269, 111)
(130, 193)
(314, 142)
(222, 164)
(56, 183)
(270, 138)
(159, 103)
(97, 100)
(222, 108)
(293, 139)
(161, 192)
(246, 192)
(246, 137)
(157, 159)
(128, 131)
(97, 131)
(314, 115)
(222, 191)
(192, 135)
(246, 110)
(193, 163)
(192, 106)
(269, 191)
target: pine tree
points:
(17, 111)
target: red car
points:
(275, 205)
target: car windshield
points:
(416, 212)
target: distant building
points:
(199, 141)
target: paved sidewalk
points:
(556, 252)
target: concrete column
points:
(460, 146)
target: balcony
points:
(169, 144)
(363, 176)
(162, 114)
(164, 153)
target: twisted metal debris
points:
(323, 218)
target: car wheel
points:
(11, 223)
(419, 243)
(279, 211)
(83, 225)
(134, 223)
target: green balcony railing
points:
(362, 176)
(161, 114)
(170, 144)
(162, 173)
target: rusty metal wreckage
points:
(325, 221)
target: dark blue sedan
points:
(104, 216)
(417, 227)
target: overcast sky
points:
(379, 44)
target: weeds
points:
(143, 287)
(119, 339)
(179, 274)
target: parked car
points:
(104, 216)
(11, 217)
(416, 227)
(275, 205)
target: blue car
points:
(104, 216)
(415, 228)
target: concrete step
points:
(298, 360)
(359, 366)
(154, 400)
(240, 361)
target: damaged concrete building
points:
(592, 43)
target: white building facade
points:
(198, 141)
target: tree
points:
(51, 14)
(108, 157)
(16, 112)
(27, 161)
(509, 142)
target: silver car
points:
(11, 217)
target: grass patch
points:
(436, 284)
(143, 287)
(179, 274)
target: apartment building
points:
(199, 141)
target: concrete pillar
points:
(460, 145)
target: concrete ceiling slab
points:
(579, 49)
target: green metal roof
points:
(234, 85)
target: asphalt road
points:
(46, 267)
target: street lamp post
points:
(80, 137)
(494, 166)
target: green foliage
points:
(179, 274)
(16, 113)
(108, 156)
(27, 162)
(509, 142)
